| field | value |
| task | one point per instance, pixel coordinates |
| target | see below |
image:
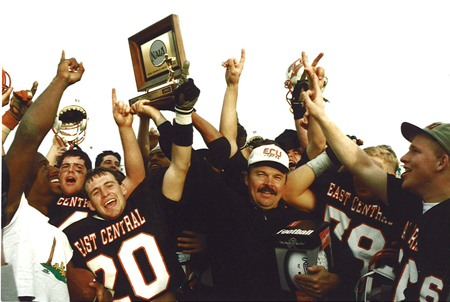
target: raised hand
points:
(316, 77)
(121, 112)
(22, 100)
(186, 94)
(70, 69)
(234, 69)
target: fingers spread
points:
(317, 59)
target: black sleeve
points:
(166, 138)
(303, 160)
(219, 152)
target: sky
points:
(386, 61)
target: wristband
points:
(183, 135)
(9, 120)
(320, 164)
(183, 116)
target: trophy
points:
(70, 125)
(157, 54)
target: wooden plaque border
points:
(170, 23)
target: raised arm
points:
(351, 156)
(208, 132)
(56, 150)
(20, 102)
(134, 164)
(186, 95)
(34, 126)
(228, 118)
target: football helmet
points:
(6, 81)
(70, 125)
(376, 285)
(297, 81)
(297, 263)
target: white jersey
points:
(39, 254)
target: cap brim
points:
(283, 169)
(409, 131)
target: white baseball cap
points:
(270, 155)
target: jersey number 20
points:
(126, 252)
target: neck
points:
(40, 202)
(437, 193)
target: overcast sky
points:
(386, 61)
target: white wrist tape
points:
(183, 119)
(5, 130)
(320, 164)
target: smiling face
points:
(46, 177)
(157, 160)
(73, 172)
(110, 161)
(106, 196)
(265, 186)
(420, 163)
(294, 157)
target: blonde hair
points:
(386, 154)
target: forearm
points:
(208, 131)
(228, 118)
(51, 155)
(354, 159)
(175, 176)
(298, 182)
(143, 140)
(35, 125)
(134, 164)
(316, 139)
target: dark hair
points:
(76, 153)
(288, 140)
(101, 171)
(99, 158)
(262, 142)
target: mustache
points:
(267, 189)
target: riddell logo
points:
(432, 126)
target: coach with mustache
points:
(254, 273)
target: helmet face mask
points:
(6, 81)
(71, 124)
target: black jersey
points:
(424, 270)
(66, 210)
(364, 227)
(135, 254)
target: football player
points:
(73, 204)
(422, 199)
(38, 252)
(130, 242)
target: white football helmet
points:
(70, 124)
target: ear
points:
(246, 178)
(443, 162)
(90, 206)
(124, 189)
